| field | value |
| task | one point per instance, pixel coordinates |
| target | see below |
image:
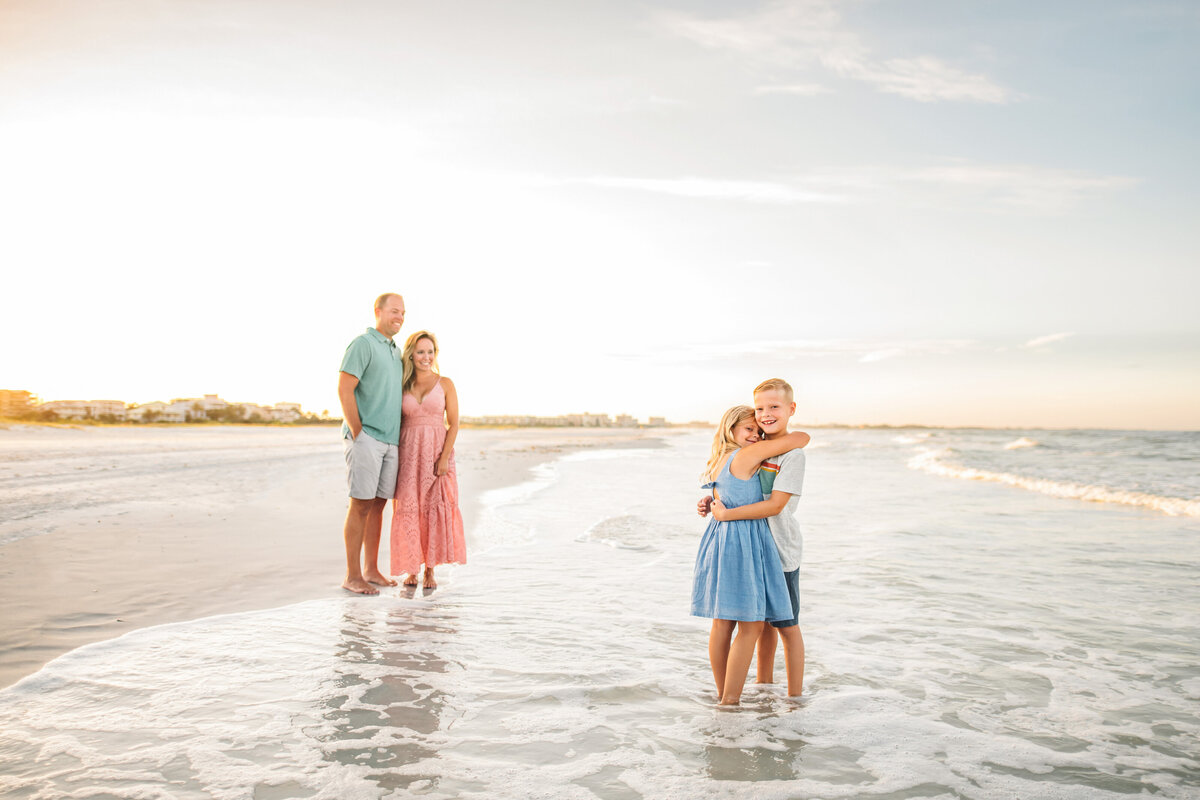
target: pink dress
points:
(427, 525)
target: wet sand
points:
(101, 575)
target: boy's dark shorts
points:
(792, 579)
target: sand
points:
(118, 571)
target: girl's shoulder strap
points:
(726, 464)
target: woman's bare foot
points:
(378, 578)
(358, 586)
(410, 579)
(429, 582)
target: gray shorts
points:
(371, 467)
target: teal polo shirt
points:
(375, 360)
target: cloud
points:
(715, 189)
(1020, 186)
(881, 355)
(802, 35)
(803, 89)
(928, 80)
(1042, 341)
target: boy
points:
(782, 479)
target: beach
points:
(104, 530)
(988, 614)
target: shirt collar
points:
(374, 332)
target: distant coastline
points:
(20, 406)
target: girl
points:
(427, 526)
(738, 579)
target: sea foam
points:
(932, 461)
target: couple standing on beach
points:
(747, 571)
(400, 422)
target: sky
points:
(922, 212)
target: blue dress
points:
(738, 573)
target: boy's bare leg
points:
(793, 658)
(718, 650)
(356, 520)
(740, 655)
(372, 533)
(766, 655)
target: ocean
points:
(988, 614)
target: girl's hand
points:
(718, 510)
(442, 466)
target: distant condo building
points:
(15, 403)
(85, 409)
(584, 420)
(210, 407)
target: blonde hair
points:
(410, 347)
(723, 441)
(381, 301)
(776, 385)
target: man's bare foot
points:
(429, 582)
(377, 578)
(411, 579)
(359, 586)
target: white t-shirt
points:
(785, 473)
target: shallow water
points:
(966, 638)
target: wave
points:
(1023, 442)
(930, 461)
(914, 438)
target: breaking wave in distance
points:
(931, 461)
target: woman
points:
(427, 526)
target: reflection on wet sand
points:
(403, 643)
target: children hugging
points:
(748, 564)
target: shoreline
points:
(134, 566)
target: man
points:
(370, 389)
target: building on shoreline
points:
(584, 420)
(209, 408)
(16, 403)
(85, 409)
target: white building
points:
(184, 409)
(85, 409)
(586, 420)
(140, 413)
(286, 412)
(254, 409)
(210, 402)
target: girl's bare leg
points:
(718, 650)
(766, 655)
(740, 655)
(429, 582)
